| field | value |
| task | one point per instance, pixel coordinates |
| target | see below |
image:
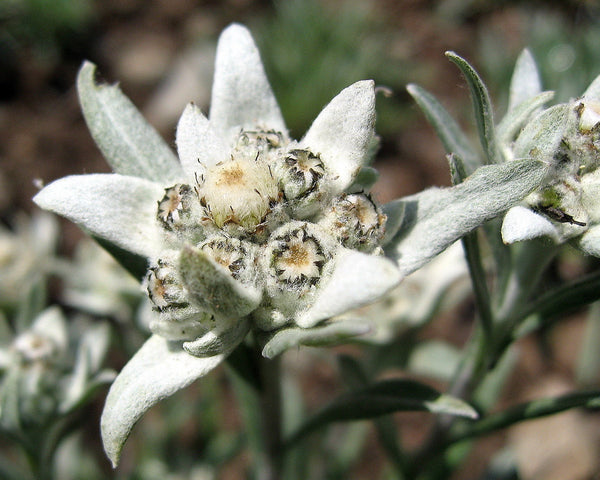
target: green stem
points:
(489, 342)
(478, 279)
(522, 412)
(270, 402)
(257, 383)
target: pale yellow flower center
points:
(238, 191)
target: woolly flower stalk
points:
(249, 230)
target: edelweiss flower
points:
(566, 206)
(249, 230)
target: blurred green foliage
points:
(45, 25)
(312, 52)
(565, 49)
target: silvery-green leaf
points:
(357, 279)
(211, 286)
(525, 83)
(593, 91)
(198, 145)
(516, 117)
(521, 224)
(590, 241)
(241, 94)
(483, 108)
(387, 396)
(158, 370)
(542, 135)
(342, 133)
(225, 336)
(118, 208)
(128, 142)
(449, 132)
(394, 211)
(331, 334)
(436, 218)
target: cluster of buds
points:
(565, 207)
(268, 218)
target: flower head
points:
(250, 229)
(565, 207)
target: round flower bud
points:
(238, 194)
(179, 211)
(589, 115)
(296, 259)
(356, 221)
(237, 256)
(300, 174)
(177, 319)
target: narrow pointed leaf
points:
(241, 95)
(542, 135)
(527, 411)
(330, 334)
(514, 120)
(483, 108)
(436, 218)
(158, 370)
(128, 142)
(383, 398)
(342, 133)
(449, 132)
(117, 208)
(525, 82)
(198, 145)
(593, 91)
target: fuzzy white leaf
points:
(117, 208)
(436, 218)
(525, 82)
(589, 242)
(158, 370)
(342, 133)
(332, 333)
(357, 279)
(128, 142)
(543, 133)
(224, 337)
(198, 144)
(211, 286)
(521, 223)
(241, 95)
(593, 91)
